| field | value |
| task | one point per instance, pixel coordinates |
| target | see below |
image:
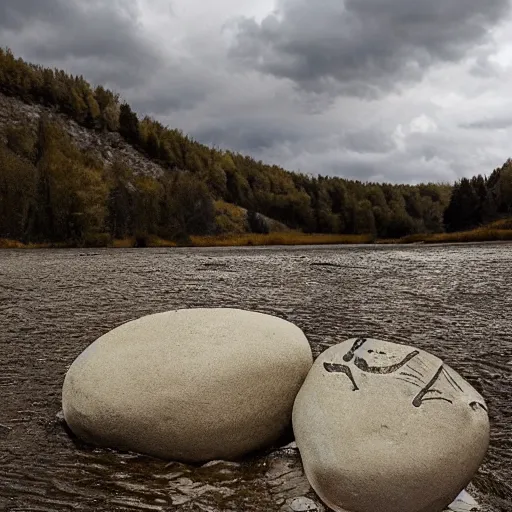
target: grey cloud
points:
(353, 169)
(372, 153)
(362, 47)
(354, 139)
(392, 167)
(247, 135)
(499, 123)
(367, 141)
(15, 14)
(102, 39)
(173, 90)
(281, 126)
(164, 103)
(484, 68)
(367, 154)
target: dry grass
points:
(286, 238)
(124, 243)
(497, 231)
(500, 230)
(153, 241)
(484, 234)
(6, 243)
(500, 224)
(229, 240)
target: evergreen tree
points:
(129, 124)
(464, 209)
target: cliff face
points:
(107, 146)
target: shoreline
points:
(477, 236)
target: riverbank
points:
(291, 238)
(476, 235)
(496, 232)
(235, 240)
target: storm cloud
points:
(379, 90)
(102, 39)
(362, 47)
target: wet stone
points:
(374, 418)
(192, 384)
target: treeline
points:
(120, 202)
(52, 192)
(480, 200)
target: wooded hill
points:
(53, 190)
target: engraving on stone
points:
(412, 369)
(342, 368)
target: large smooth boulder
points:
(189, 385)
(388, 428)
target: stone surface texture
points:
(388, 427)
(188, 385)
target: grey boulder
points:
(388, 428)
(189, 385)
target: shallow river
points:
(454, 301)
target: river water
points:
(454, 301)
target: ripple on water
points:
(452, 301)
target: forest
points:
(51, 191)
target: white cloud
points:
(422, 124)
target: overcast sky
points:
(381, 90)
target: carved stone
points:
(388, 427)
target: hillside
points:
(105, 145)
(78, 166)
(20, 122)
